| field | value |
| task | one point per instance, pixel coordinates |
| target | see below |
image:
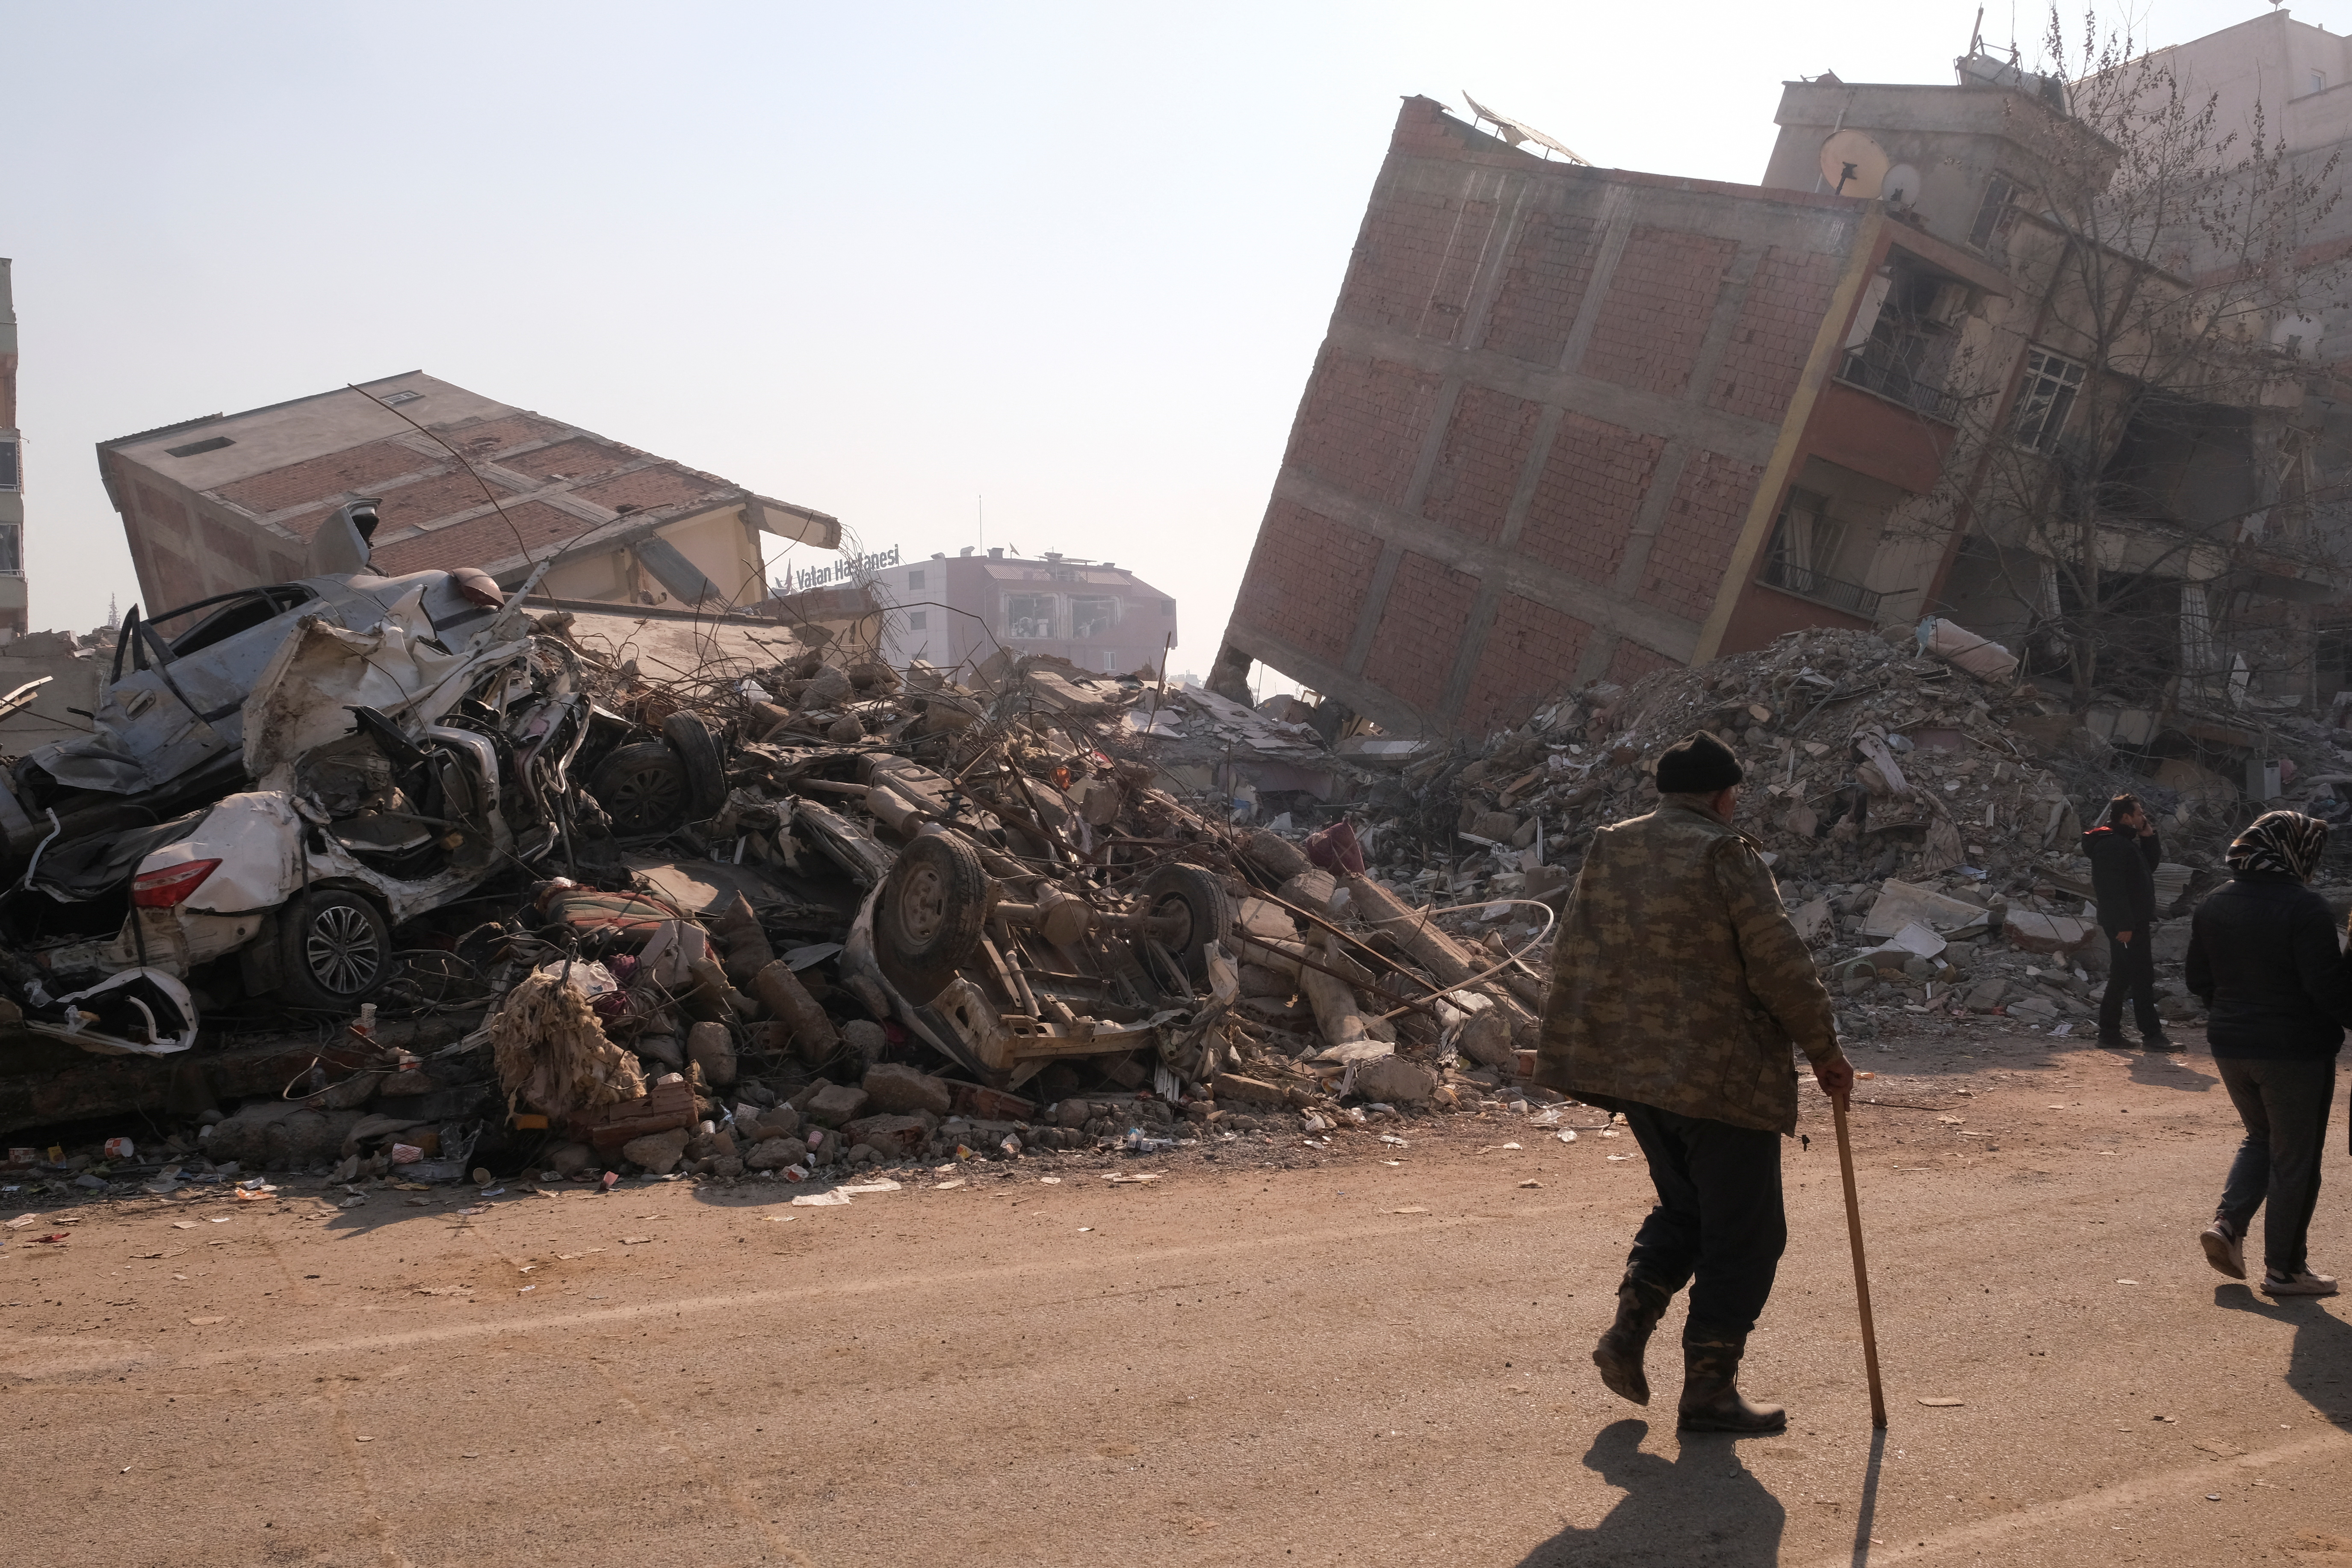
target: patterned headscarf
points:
(2281, 841)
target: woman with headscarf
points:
(2263, 954)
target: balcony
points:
(1806, 583)
(1898, 386)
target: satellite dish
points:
(1853, 165)
(1901, 185)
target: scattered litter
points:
(206, 1322)
(1525, 1184)
(1943, 1403)
(1415, 1210)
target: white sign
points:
(848, 569)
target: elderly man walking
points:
(1678, 988)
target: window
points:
(404, 395)
(1029, 615)
(914, 579)
(2319, 81)
(12, 550)
(1092, 618)
(1807, 543)
(193, 447)
(8, 476)
(2000, 192)
(918, 620)
(2046, 399)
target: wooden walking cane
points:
(1861, 1268)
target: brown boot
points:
(1641, 1302)
(1711, 1400)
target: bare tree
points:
(2131, 452)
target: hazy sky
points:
(880, 260)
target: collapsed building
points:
(1572, 425)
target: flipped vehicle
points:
(302, 770)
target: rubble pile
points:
(414, 886)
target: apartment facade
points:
(231, 501)
(962, 609)
(1573, 423)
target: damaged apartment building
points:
(227, 502)
(1572, 423)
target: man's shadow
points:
(1701, 1507)
(2319, 1365)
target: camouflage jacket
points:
(1678, 982)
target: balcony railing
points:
(1896, 384)
(1806, 583)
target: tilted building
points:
(229, 501)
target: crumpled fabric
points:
(551, 1053)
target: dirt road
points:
(1377, 1354)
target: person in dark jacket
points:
(2125, 851)
(2264, 955)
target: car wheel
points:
(1191, 908)
(706, 773)
(334, 949)
(933, 909)
(641, 788)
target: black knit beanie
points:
(1699, 763)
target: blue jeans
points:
(1720, 1214)
(2284, 1102)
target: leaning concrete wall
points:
(1534, 430)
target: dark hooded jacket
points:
(2123, 877)
(2262, 956)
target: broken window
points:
(916, 620)
(12, 550)
(1091, 618)
(1903, 337)
(2046, 398)
(1029, 615)
(1807, 543)
(1992, 219)
(7, 465)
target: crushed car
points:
(266, 796)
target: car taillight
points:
(170, 886)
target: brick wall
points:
(1694, 545)
(1656, 310)
(413, 506)
(482, 541)
(1649, 263)
(1362, 423)
(1420, 631)
(483, 438)
(1543, 287)
(230, 559)
(1414, 262)
(318, 479)
(1632, 661)
(1478, 466)
(578, 458)
(1593, 480)
(1778, 322)
(1307, 579)
(1530, 655)
(646, 489)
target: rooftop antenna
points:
(1518, 130)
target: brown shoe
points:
(1641, 1302)
(1711, 1400)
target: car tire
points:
(1200, 897)
(334, 951)
(642, 787)
(931, 915)
(706, 773)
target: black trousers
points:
(2283, 1103)
(1719, 1225)
(2131, 971)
